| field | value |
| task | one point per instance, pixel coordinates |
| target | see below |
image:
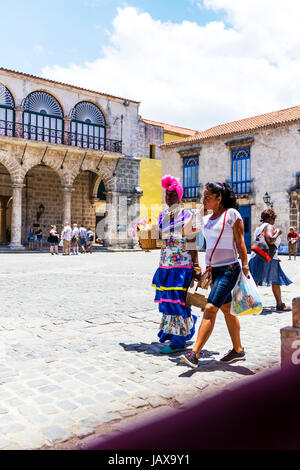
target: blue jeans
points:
(224, 279)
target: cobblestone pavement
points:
(79, 350)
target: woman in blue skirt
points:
(174, 274)
(269, 274)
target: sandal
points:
(283, 308)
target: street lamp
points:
(267, 200)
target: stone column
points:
(3, 220)
(66, 210)
(16, 216)
(110, 228)
(133, 215)
(67, 131)
(290, 338)
(19, 121)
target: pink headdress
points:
(170, 182)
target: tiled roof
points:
(273, 119)
(172, 129)
(66, 84)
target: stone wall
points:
(82, 209)
(42, 186)
(275, 156)
(150, 134)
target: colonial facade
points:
(66, 154)
(258, 156)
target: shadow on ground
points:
(268, 311)
(152, 348)
(212, 366)
(204, 365)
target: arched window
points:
(7, 113)
(87, 126)
(42, 118)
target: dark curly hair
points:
(267, 214)
(226, 192)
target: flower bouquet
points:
(147, 233)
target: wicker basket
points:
(147, 241)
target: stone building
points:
(66, 154)
(259, 156)
(151, 135)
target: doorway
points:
(245, 212)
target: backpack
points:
(262, 249)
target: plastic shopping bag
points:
(245, 297)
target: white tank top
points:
(226, 251)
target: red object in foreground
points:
(263, 413)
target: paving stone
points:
(38, 383)
(89, 422)
(5, 444)
(127, 413)
(37, 419)
(49, 410)
(83, 432)
(49, 388)
(11, 428)
(167, 393)
(137, 378)
(86, 379)
(29, 441)
(27, 410)
(154, 402)
(64, 420)
(43, 400)
(137, 403)
(6, 419)
(120, 394)
(66, 405)
(107, 418)
(55, 433)
(85, 401)
(104, 397)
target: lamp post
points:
(267, 200)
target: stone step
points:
(46, 249)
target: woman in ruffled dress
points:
(176, 266)
(269, 274)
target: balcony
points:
(242, 187)
(191, 192)
(57, 136)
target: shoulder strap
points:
(218, 238)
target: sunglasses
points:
(215, 185)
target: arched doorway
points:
(83, 209)
(42, 200)
(100, 207)
(5, 205)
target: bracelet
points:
(195, 264)
(245, 266)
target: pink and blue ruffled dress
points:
(171, 281)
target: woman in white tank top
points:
(222, 257)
